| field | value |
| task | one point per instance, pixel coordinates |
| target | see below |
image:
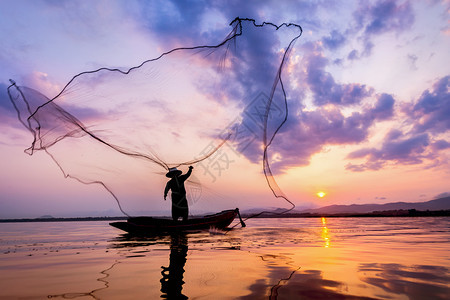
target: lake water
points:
(332, 258)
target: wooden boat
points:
(146, 225)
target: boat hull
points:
(146, 225)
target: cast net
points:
(214, 107)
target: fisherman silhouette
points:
(176, 185)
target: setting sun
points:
(321, 194)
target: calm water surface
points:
(333, 258)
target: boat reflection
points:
(325, 235)
(127, 240)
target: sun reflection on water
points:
(325, 235)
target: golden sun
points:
(321, 194)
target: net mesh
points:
(123, 129)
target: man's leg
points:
(175, 213)
(185, 214)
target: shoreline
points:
(376, 214)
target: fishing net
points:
(206, 106)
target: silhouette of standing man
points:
(176, 185)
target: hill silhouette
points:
(432, 205)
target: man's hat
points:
(173, 172)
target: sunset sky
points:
(368, 97)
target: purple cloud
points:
(432, 110)
(334, 40)
(177, 23)
(400, 151)
(174, 21)
(353, 55)
(428, 117)
(384, 16)
(441, 145)
(326, 90)
(406, 150)
(310, 131)
(384, 108)
(378, 18)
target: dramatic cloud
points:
(324, 87)
(173, 20)
(432, 110)
(372, 19)
(384, 16)
(405, 151)
(384, 108)
(441, 145)
(309, 130)
(429, 117)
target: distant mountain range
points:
(387, 209)
(433, 205)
